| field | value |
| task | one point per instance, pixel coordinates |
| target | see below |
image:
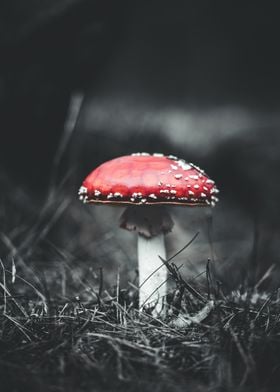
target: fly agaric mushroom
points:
(147, 183)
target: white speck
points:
(213, 203)
(174, 167)
(85, 199)
(186, 178)
(118, 194)
(173, 191)
(157, 154)
(203, 194)
(193, 177)
(132, 199)
(153, 196)
(209, 181)
(160, 183)
(81, 197)
(178, 176)
(143, 201)
(214, 198)
(196, 186)
(172, 157)
(168, 185)
(139, 154)
(164, 191)
(197, 168)
(214, 190)
(184, 165)
(82, 189)
(97, 192)
(191, 193)
(136, 195)
(205, 188)
(208, 202)
(110, 195)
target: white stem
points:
(154, 289)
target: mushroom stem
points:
(151, 224)
(152, 273)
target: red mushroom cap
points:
(148, 179)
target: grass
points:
(79, 346)
(63, 327)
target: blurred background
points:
(84, 81)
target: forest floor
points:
(49, 344)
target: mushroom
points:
(146, 184)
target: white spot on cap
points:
(137, 195)
(157, 154)
(197, 168)
(203, 194)
(178, 176)
(193, 177)
(118, 194)
(196, 186)
(153, 196)
(184, 165)
(110, 196)
(172, 157)
(82, 189)
(209, 181)
(97, 192)
(205, 188)
(139, 154)
(191, 193)
(173, 191)
(160, 183)
(174, 167)
(164, 191)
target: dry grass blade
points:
(171, 258)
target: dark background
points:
(196, 79)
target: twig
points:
(180, 281)
(171, 258)
(186, 321)
(75, 105)
(4, 286)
